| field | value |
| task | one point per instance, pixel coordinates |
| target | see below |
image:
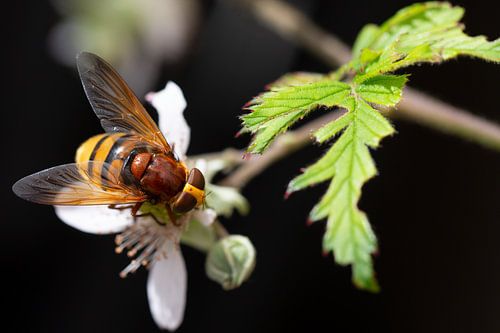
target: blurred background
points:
(434, 207)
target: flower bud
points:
(231, 261)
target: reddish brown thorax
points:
(159, 175)
(139, 164)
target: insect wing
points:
(73, 184)
(113, 101)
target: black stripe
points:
(94, 152)
(127, 176)
(117, 145)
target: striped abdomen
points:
(115, 149)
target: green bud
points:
(231, 261)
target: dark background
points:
(435, 206)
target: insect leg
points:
(151, 215)
(171, 215)
(136, 208)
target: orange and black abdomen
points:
(116, 149)
(135, 162)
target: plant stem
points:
(431, 112)
(294, 26)
(220, 231)
(291, 24)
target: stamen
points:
(131, 268)
(133, 239)
(145, 254)
(147, 241)
(140, 245)
(121, 237)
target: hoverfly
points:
(129, 164)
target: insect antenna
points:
(204, 199)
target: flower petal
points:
(205, 216)
(167, 289)
(170, 104)
(202, 165)
(95, 219)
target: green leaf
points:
(349, 163)
(332, 128)
(414, 19)
(295, 79)
(382, 89)
(452, 42)
(390, 60)
(366, 37)
(273, 112)
(372, 126)
(369, 56)
(324, 168)
(424, 32)
(269, 129)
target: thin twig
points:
(219, 229)
(431, 112)
(231, 155)
(293, 25)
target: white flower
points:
(151, 244)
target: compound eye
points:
(196, 179)
(184, 203)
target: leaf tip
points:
(247, 105)
(370, 286)
(246, 156)
(238, 134)
(287, 194)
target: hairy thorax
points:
(164, 177)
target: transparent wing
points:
(113, 101)
(73, 184)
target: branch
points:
(416, 106)
(429, 111)
(292, 25)
(220, 231)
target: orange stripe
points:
(114, 172)
(103, 151)
(85, 150)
